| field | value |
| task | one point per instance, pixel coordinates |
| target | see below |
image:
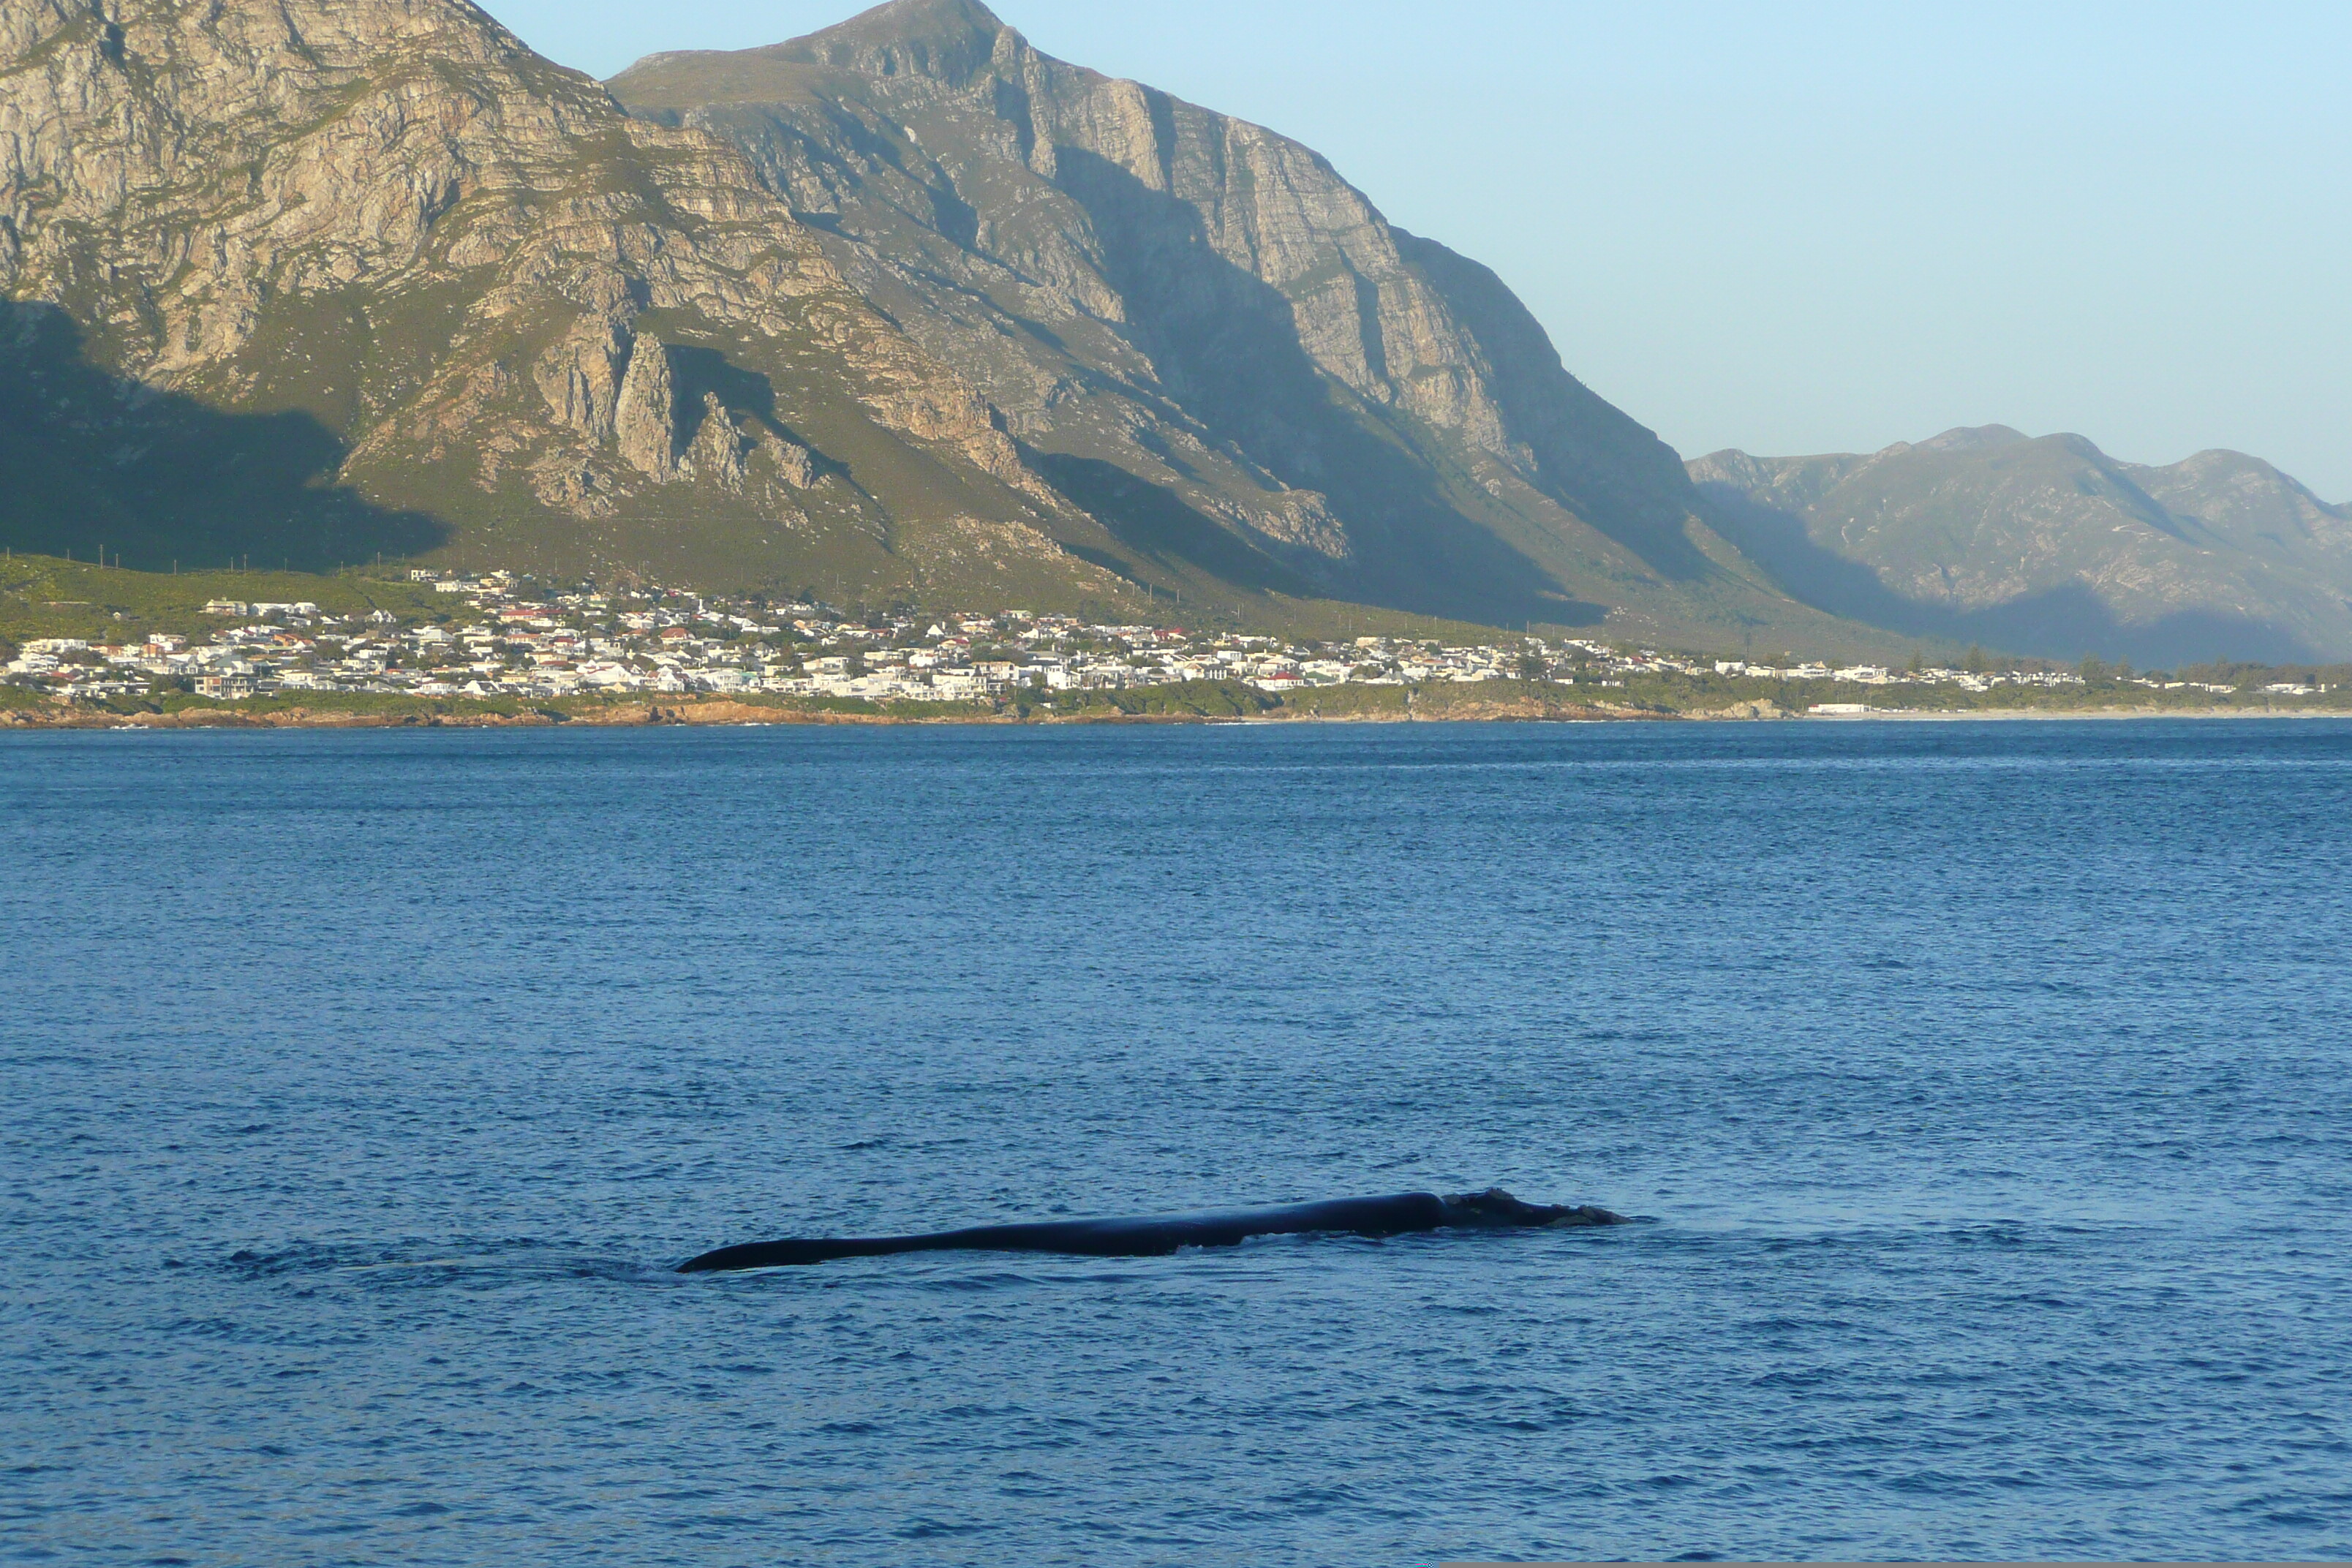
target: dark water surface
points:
(1988, 1086)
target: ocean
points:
(1981, 1089)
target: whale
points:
(1156, 1235)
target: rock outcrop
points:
(644, 415)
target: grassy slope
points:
(42, 597)
(47, 596)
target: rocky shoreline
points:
(722, 711)
(719, 710)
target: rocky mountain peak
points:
(1971, 438)
(2221, 467)
(1168, 302)
(947, 41)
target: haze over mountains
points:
(905, 310)
(2050, 546)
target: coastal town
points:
(501, 636)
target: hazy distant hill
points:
(2050, 546)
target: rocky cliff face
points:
(1200, 317)
(2050, 546)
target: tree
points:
(1975, 663)
(2094, 668)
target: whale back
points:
(1496, 1207)
(1150, 1235)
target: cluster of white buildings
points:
(501, 637)
(1967, 681)
(230, 664)
(974, 656)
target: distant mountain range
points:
(2049, 546)
(906, 310)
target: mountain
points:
(904, 309)
(2049, 546)
(318, 279)
(1201, 334)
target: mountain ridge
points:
(906, 310)
(325, 281)
(1168, 301)
(2047, 545)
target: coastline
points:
(2020, 715)
(1414, 706)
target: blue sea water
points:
(1984, 1088)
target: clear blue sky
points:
(1802, 228)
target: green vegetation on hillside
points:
(47, 596)
(50, 596)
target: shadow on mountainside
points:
(1642, 496)
(1227, 346)
(1157, 524)
(2069, 622)
(696, 371)
(93, 458)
